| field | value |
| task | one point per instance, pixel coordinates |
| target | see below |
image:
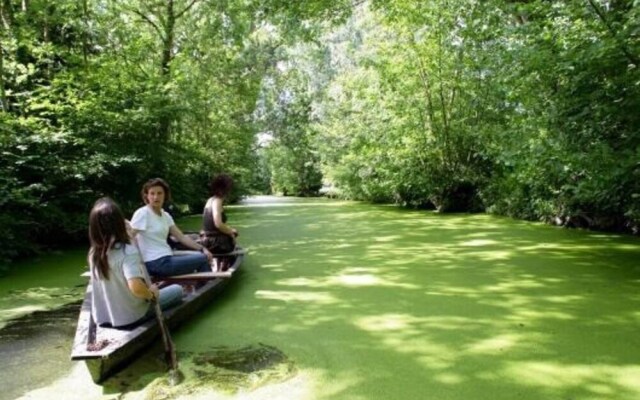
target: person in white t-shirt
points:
(151, 225)
(120, 288)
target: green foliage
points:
(98, 97)
(525, 108)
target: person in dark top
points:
(216, 235)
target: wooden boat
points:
(121, 346)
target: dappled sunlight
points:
(389, 238)
(513, 286)
(356, 280)
(376, 302)
(271, 266)
(324, 298)
(542, 315)
(478, 243)
(388, 322)
(7, 314)
(594, 380)
(448, 378)
(76, 384)
(497, 343)
(494, 255)
(350, 279)
(471, 293)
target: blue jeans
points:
(178, 265)
(169, 296)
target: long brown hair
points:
(106, 228)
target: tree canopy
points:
(522, 108)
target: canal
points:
(344, 300)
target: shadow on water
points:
(35, 349)
(372, 302)
(400, 303)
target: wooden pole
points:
(170, 350)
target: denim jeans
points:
(169, 296)
(178, 265)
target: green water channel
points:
(341, 300)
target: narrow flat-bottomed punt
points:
(118, 347)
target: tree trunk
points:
(165, 71)
(167, 45)
(3, 97)
(85, 41)
(6, 14)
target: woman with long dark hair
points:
(121, 289)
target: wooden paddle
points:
(91, 334)
(170, 350)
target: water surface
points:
(374, 302)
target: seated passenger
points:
(120, 288)
(216, 235)
(151, 225)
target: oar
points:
(91, 334)
(170, 350)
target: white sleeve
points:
(132, 264)
(139, 219)
(169, 218)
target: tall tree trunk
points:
(3, 96)
(167, 45)
(6, 14)
(85, 34)
(165, 71)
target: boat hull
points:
(124, 346)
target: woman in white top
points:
(120, 288)
(151, 226)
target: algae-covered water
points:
(342, 300)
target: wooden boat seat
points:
(198, 276)
(237, 252)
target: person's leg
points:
(159, 267)
(189, 263)
(178, 265)
(170, 296)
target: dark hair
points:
(106, 228)
(155, 182)
(220, 185)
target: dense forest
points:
(524, 108)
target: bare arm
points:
(130, 231)
(187, 241)
(140, 289)
(216, 212)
